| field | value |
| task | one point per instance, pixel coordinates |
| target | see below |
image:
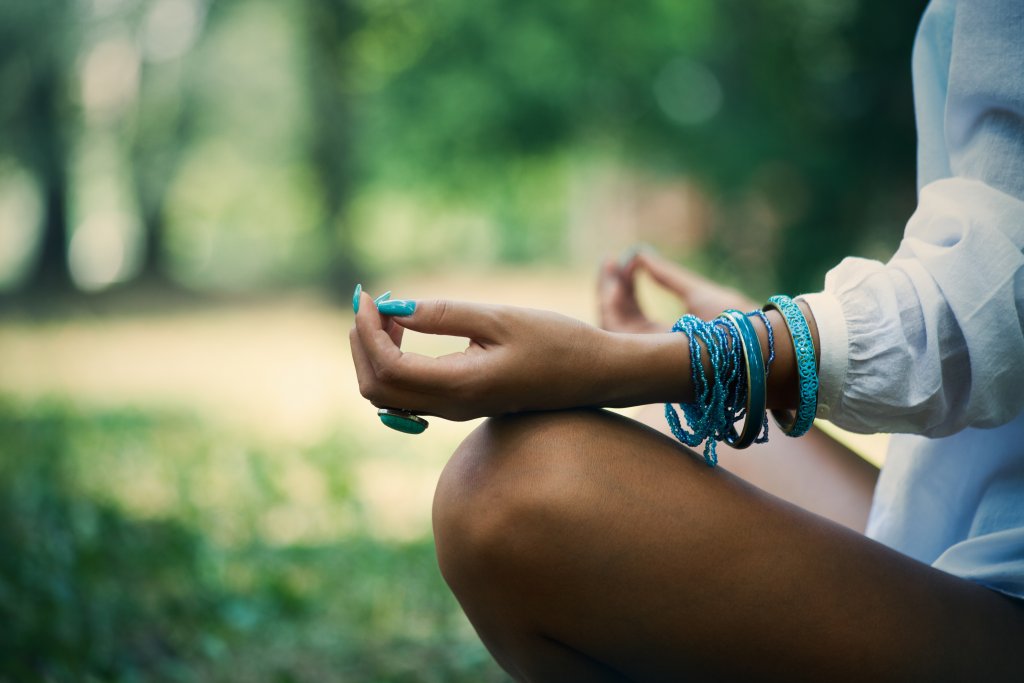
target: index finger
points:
(393, 367)
(377, 343)
(667, 274)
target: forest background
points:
(190, 486)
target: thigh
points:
(814, 471)
(614, 542)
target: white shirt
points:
(930, 345)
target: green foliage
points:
(791, 105)
(96, 586)
(474, 87)
(273, 150)
(85, 590)
(241, 209)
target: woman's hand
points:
(620, 311)
(517, 360)
(618, 308)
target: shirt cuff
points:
(834, 351)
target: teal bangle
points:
(756, 392)
(806, 366)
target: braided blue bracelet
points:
(736, 389)
(755, 382)
(807, 370)
(715, 407)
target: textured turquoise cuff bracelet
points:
(806, 364)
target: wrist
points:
(783, 377)
(645, 368)
(655, 368)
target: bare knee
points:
(503, 491)
(507, 511)
(520, 490)
(545, 531)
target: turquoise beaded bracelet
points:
(807, 370)
(755, 376)
(708, 416)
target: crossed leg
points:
(815, 471)
(584, 546)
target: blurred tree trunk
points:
(49, 155)
(38, 45)
(153, 266)
(51, 273)
(156, 151)
(164, 127)
(329, 26)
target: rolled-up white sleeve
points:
(931, 342)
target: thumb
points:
(672, 277)
(440, 316)
(705, 297)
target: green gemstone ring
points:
(402, 420)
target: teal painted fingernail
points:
(383, 297)
(355, 298)
(399, 307)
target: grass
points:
(150, 545)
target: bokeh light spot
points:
(97, 253)
(171, 28)
(20, 215)
(110, 77)
(687, 92)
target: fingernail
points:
(355, 298)
(628, 255)
(634, 251)
(399, 307)
(383, 297)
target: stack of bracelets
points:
(737, 388)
